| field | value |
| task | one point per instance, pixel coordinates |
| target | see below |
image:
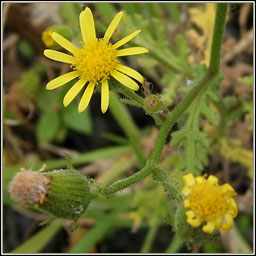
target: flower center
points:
(208, 201)
(96, 60)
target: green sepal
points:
(189, 234)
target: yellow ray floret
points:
(209, 203)
(95, 62)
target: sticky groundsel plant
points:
(202, 205)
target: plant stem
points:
(128, 93)
(176, 113)
(162, 177)
(124, 183)
(217, 37)
(149, 239)
(175, 245)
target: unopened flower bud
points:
(153, 104)
(62, 193)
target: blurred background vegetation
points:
(38, 129)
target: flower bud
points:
(153, 104)
(63, 193)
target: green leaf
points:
(107, 11)
(70, 14)
(37, 242)
(131, 8)
(79, 122)
(47, 126)
(92, 237)
(173, 10)
(62, 30)
(30, 82)
(193, 140)
(26, 49)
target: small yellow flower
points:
(95, 62)
(47, 38)
(209, 202)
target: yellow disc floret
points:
(209, 202)
(96, 60)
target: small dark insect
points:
(147, 88)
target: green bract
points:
(68, 195)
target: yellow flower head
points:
(209, 202)
(95, 62)
(47, 38)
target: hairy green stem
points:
(217, 37)
(128, 93)
(175, 115)
(162, 176)
(124, 183)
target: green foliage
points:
(37, 242)
(174, 12)
(47, 126)
(62, 30)
(26, 49)
(31, 80)
(143, 208)
(61, 118)
(212, 247)
(106, 11)
(78, 122)
(193, 139)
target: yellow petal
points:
(186, 191)
(112, 26)
(228, 190)
(200, 180)
(86, 97)
(87, 25)
(186, 203)
(218, 222)
(125, 80)
(209, 227)
(104, 96)
(228, 222)
(131, 51)
(62, 41)
(126, 39)
(59, 56)
(192, 219)
(196, 222)
(189, 180)
(190, 214)
(232, 208)
(73, 91)
(130, 72)
(59, 81)
(213, 180)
